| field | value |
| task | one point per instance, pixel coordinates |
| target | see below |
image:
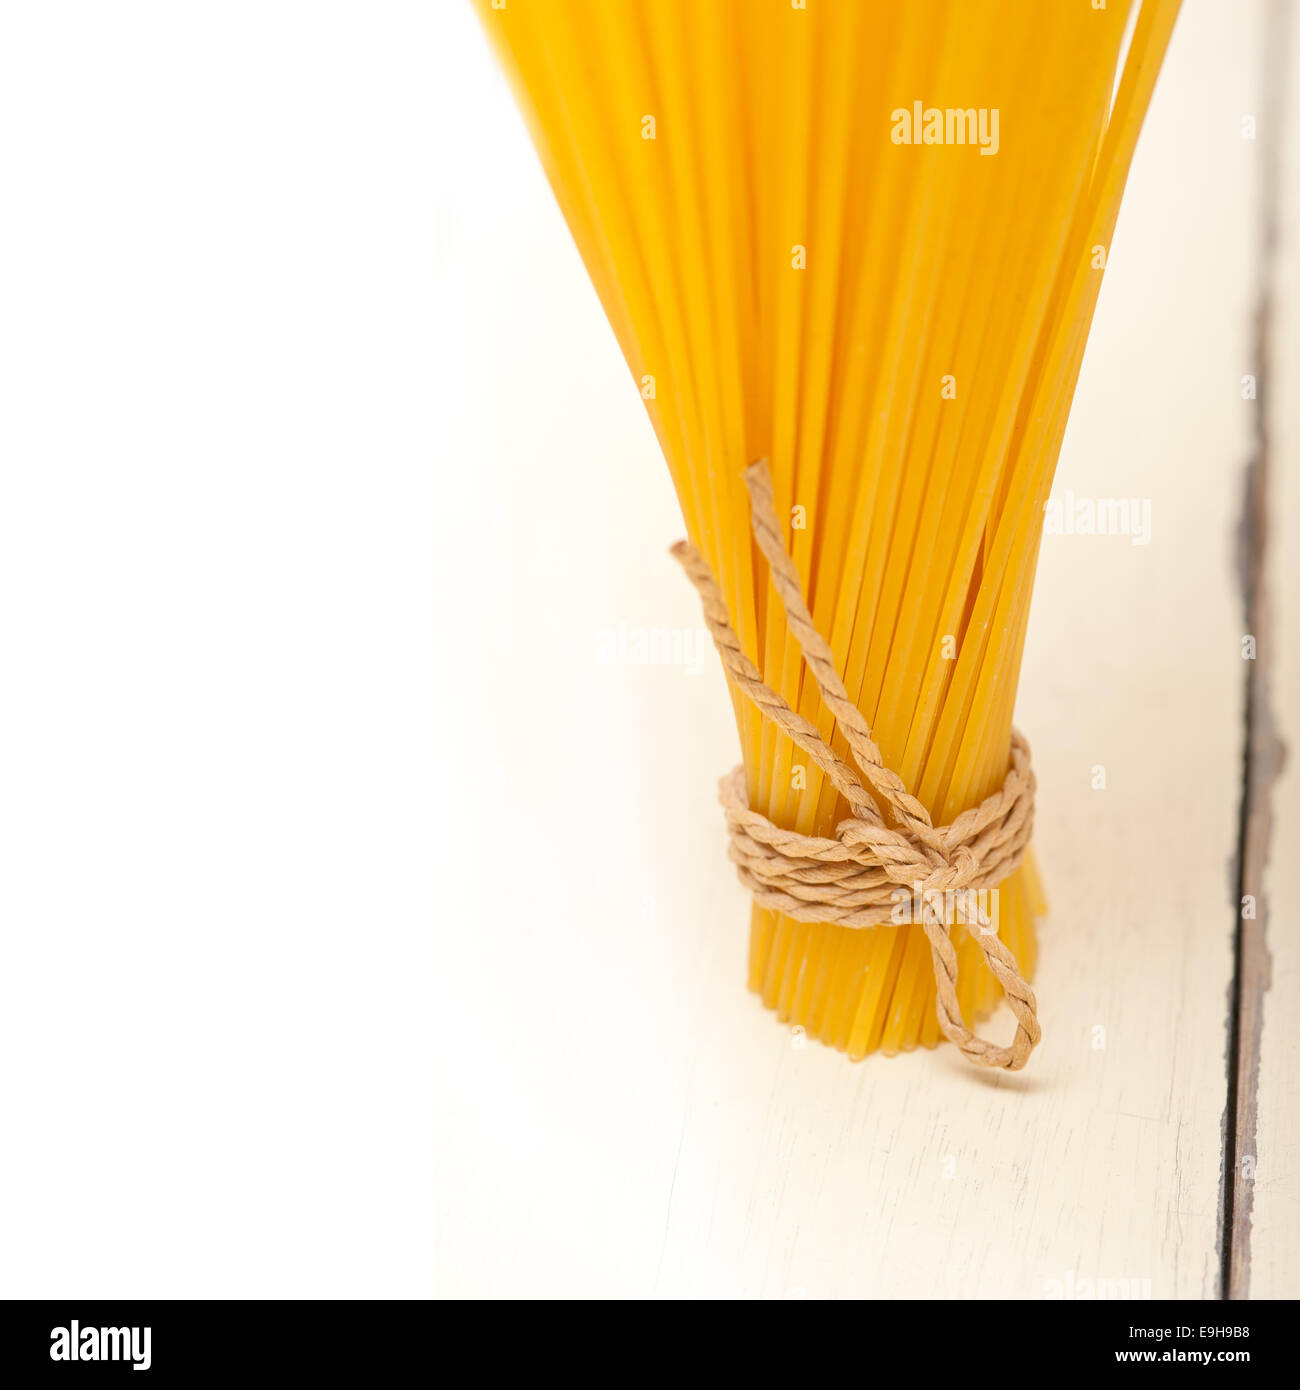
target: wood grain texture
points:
(616, 1114)
(1266, 1187)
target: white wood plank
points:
(1270, 1185)
(617, 1114)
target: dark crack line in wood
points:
(1262, 753)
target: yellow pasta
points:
(864, 241)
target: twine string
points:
(853, 880)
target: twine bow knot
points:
(854, 879)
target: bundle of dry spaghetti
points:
(863, 241)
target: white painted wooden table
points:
(616, 1113)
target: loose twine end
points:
(852, 879)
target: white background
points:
(222, 755)
(362, 934)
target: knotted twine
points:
(853, 879)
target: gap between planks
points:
(1263, 753)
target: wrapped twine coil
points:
(853, 880)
